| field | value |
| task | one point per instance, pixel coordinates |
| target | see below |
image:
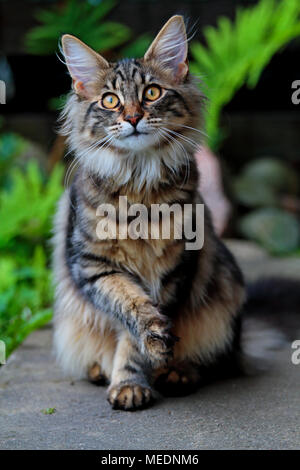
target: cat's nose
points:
(133, 118)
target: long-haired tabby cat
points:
(139, 314)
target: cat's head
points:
(134, 107)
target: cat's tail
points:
(270, 319)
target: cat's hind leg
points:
(96, 376)
(179, 379)
(208, 346)
(129, 389)
(84, 340)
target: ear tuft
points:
(170, 47)
(83, 63)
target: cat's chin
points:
(137, 142)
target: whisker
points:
(188, 127)
(188, 140)
(170, 140)
(107, 144)
(70, 170)
(181, 147)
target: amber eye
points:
(110, 101)
(152, 93)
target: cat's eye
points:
(152, 93)
(110, 101)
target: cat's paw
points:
(157, 340)
(129, 397)
(177, 381)
(96, 376)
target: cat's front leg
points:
(120, 296)
(129, 389)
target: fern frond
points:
(237, 52)
(81, 19)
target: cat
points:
(142, 315)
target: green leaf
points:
(48, 411)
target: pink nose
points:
(133, 119)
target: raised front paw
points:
(129, 397)
(157, 341)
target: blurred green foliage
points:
(82, 19)
(27, 203)
(87, 21)
(236, 53)
(11, 146)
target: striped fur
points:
(144, 312)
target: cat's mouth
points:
(137, 140)
(137, 133)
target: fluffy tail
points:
(271, 318)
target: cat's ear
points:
(83, 64)
(170, 47)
